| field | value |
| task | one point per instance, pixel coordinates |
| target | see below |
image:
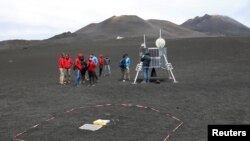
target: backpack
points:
(122, 64)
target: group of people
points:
(81, 66)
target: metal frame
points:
(163, 61)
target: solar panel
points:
(156, 55)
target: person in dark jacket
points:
(145, 66)
(84, 69)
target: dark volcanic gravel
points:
(213, 88)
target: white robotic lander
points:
(158, 57)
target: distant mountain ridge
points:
(174, 30)
(134, 26)
(217, 24)
(64, 35)
(117, 26)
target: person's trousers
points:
(100, 71)
(123, 73)
(146, 74)
(95, 76)
(83, 73)
(61, 77)
(77, 77)
(91, 77)
(67, 74)
(107, 70)
(127, 74)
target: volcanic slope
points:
(217, 24)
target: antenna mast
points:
(160, 33)
(144, 41)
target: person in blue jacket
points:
(94, 58)
(126, 73)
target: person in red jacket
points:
(68, 64)
(101, 64)
(91, 71)
(78, 68)
(61, 66)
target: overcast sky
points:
(41, 19)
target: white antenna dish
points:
(160, 42)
